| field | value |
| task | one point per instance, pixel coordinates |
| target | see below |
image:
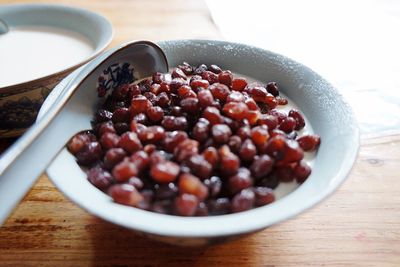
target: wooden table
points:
(359, 225)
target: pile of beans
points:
(195, 142)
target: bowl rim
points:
(108, 30)
(230, 224)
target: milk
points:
(31, 52)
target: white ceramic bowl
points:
(20, 101)
(328, 113)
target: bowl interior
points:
(329, 115)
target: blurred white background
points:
(354, 44)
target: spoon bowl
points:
(72, 112)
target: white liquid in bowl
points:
(31, 52)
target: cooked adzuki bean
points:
(196, 142)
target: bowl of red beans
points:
(231, 140)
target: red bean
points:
(240, 181)
(178, 73)
(141, 160)
(309, 142)
(258, 93)
(259, 135)
(215, 69)
(113, 156)
(263, 196)
(285, 174)
(155, 114)
(292, 152)
(186, 205)
(152, 134)
(125, 194)
(186, 149)
(174, 138)
(130, 142)
(121, 92)
(199, 166)
(157, 77)
(229, 162)
(211, 77)
(140, 104)
(235, 143)
(282, 100)
(213, 115)
(109, 140)
(221, 133)
(239, 84)
(190, 184)
(244, 132)
(287, 125)
(121, 127)
(243, 201)
(174, 85)
(141, 118)
(100, 178)
(301, 172)
(79, 141)
(103, 115)
(225, 77)
(190, 105)
(214, 185)
(201, 131)
(166, 191)
(162, 100)
(105, 127)
(186, 68)
(124, 170)
(253, 116)
(236, 111)
(136, 182)
(196, 84)
(272, 88)
(200, 69)
(235, 97)
(261, 166)
(247, 151)
(211, 155)
(219, 91)
(269, 120)
(164, 172)
(89, 154)
(278, 114)
(205, 98)
(219, 206)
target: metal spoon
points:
(3, 27)
(72, 112)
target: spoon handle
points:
(71, 112)
(25, 160)
(20, 175)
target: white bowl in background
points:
(33, 27)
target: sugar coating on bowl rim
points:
(328, 172)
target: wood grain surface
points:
(359, 225)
